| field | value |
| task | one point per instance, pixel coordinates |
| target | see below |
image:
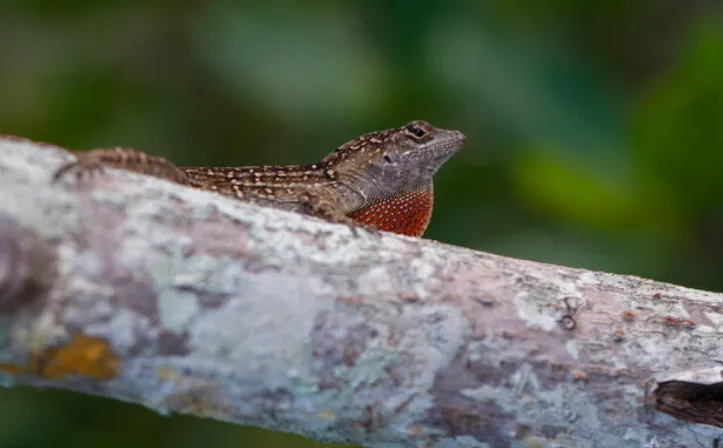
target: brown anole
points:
(381, 180)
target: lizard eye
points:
(387, 158)
(416, 131)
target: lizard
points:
(380, 180)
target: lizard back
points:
(274, 185)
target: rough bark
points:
(134, 288)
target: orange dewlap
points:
(406, 214)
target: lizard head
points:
(396, 160)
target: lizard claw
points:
(82, 167)
(315, 206)
(357, 229)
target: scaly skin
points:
(381, 180)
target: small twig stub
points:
(694, 396)
(567, 321)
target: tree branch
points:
(180, 300)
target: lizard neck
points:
(407, 213)
(402, 206)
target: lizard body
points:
(382, 179)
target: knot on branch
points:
(27, 265)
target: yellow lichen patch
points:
(87, 356)
(10, 369)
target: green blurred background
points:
(595, 129)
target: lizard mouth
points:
(448, 145)
(442, 150)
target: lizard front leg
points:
(127, 159)
(316, 205)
